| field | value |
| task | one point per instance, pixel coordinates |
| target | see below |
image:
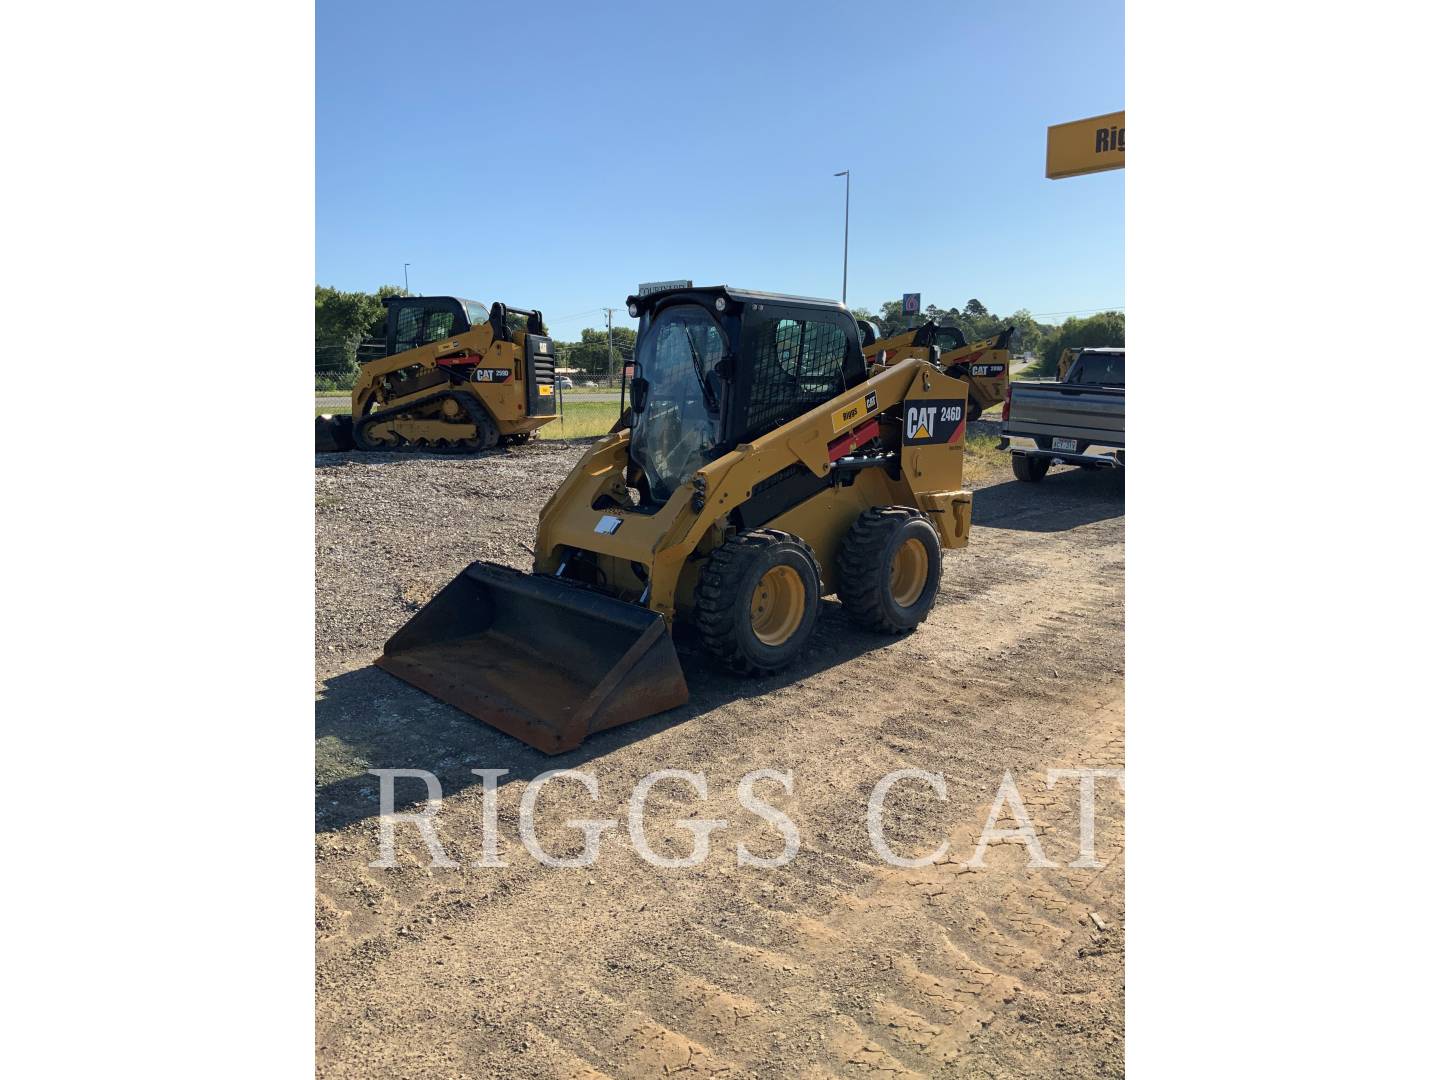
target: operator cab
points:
(869, 332)
(412, 321)
(945, 338)
(716, 367)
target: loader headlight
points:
(634, 310)
(719, 303)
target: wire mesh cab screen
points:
(799, 360)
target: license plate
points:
(1066, 446)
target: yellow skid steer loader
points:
(983, 365)
(454, 379)
(762, 469)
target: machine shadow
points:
(1063, 500)
(368, 719)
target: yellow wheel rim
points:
(777, 605)
(908, 572)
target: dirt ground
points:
(836, 964)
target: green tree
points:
(591, 353)
(342, 320)
(1096, 331)
(1029, 334)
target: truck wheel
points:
(1029, 469)
(758, 601)
(889, 566)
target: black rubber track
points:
(489, 434)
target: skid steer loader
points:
(454, 379)
(983, 365)
(762, 469)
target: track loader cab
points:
(984, 365)
(456, 377)
(763, 468)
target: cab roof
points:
(706, 294)
(388, 300)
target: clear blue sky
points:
(555, 154)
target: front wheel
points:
(758, 601)
(1029, 469)
(889, 566)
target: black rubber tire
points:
(973, 409)
(866, 556)
(727, 584)
(1030, 470)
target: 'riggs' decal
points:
(845, 418)
(928, 423)
(491, 374)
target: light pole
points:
(845, 272)
(407, 279)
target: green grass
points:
(983, 454)
(583, 419)
(338, 410)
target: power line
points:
(577, 315)
(1081, 311)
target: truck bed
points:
(1043, 410)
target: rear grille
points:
(539, 371)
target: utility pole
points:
(407, 279)
(610, 342)
(845, 272)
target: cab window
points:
(798, 364)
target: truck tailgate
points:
(1090, 413)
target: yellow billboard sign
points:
(1086, 146)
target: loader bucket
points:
(541, 659)
(333, 433)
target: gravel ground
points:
(834, 965)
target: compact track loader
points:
(454, 379)
(983, 365)
(762, 469)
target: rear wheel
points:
(1029, 468)
(890, 569)
(758, 601)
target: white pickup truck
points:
(1077, 420)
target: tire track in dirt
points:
(835, 965)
